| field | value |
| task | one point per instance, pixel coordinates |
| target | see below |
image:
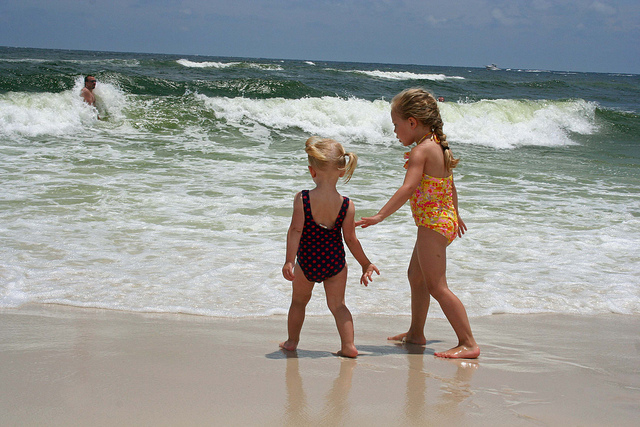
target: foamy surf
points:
(210, 64)
(396, 75)
(179, 200)
(504, 123)
(497, 123)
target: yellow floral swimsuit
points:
(432, 205)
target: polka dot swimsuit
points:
(321, 251)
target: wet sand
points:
(74, 366)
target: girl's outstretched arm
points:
(293, 237)
(350, 238)
(412, 179)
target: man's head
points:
(90, 82)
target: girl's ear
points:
(312, 171)
(412, 122)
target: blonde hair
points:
(422, 106)
(324, 153)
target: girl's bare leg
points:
(420, 300)
(335, 289)
(432, 253)
(302, 290)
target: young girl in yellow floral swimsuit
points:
(429, 185)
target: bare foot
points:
(460, 352)
(411, 340)
(348, 351)
(289, 345)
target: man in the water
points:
(87, 91)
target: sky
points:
(559, 35)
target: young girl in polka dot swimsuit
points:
(321, 217)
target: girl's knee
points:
(439, 291)
(336, 306)
(415, 275)
(301, 299)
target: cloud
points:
(435, 21)
(541, 4)
(603, 8)
(501, 17)
(560, 33)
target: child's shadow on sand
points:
(364, 350)
(298, 354)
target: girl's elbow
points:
(405, 193)
(295, 229)
(350, 240)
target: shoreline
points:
(78, 366)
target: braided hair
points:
(422, 106)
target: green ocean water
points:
(180, 198)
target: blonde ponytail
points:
(323, 153)
(352, 162)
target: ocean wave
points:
(213, 64)
(507, 123)
(403, 75)
(287, 107)
(504, 124)
(23, 60)
(36, 114)
(206, 64)
(256, 88)
(39, 114)
(340, 118)
(93, 62)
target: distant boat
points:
(492, 67)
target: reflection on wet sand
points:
(447, 398)
(336, 407)
(296, 410)
(429, 397)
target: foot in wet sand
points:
(349, 351)
(421, 340)
(460, 352)
(289, 345)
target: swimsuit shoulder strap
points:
(306, 204)
(343, 212)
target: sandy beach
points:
(72, 366)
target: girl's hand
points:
(287, 271)
(365, 222)
(462, 227)
(367, 273)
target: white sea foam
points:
(512, 123)
(334, 117)
(25, 60)
(213, 64)
(497, 123)
(147, 212)
(267, 67)
(114, 61)
(37, 114)
(206, 64)
(403, 75)
(494, 123)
